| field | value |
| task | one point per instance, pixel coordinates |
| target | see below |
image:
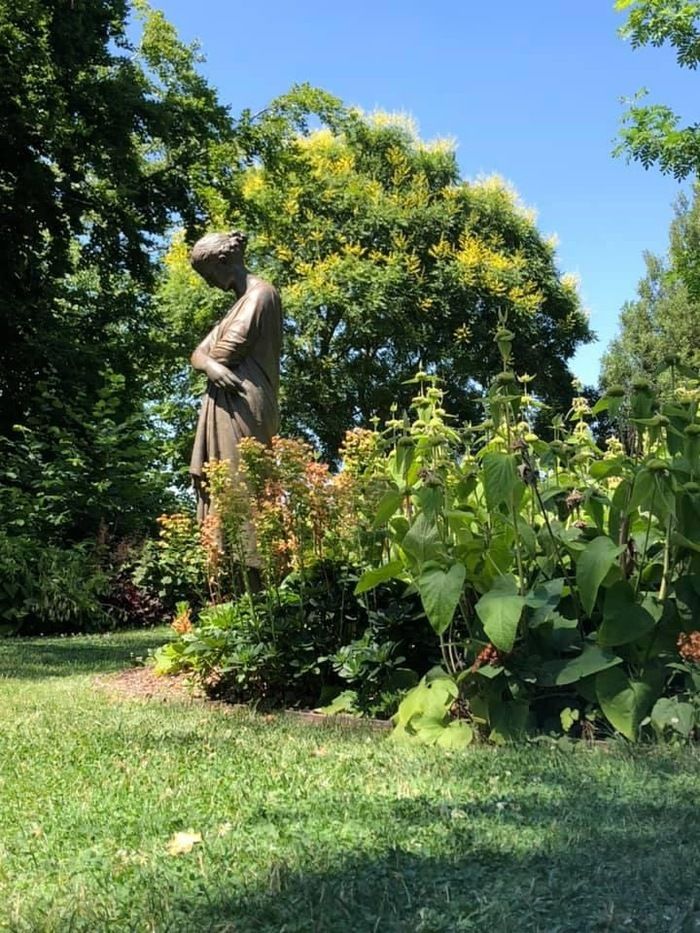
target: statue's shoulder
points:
(266, 292)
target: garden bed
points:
(140, 683)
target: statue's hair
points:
(218, 246)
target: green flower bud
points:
(656, 465)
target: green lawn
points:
(307, 828)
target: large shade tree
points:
(105, 145)
(387, 260)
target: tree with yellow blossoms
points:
(387, 260)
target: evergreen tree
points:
(662, 325)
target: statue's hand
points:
(222, 376)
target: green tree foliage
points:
(652, 133)
(104, 146)
(387, 261)
(663, 323)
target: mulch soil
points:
(140, 683)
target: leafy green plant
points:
(174, 566)
(47, 589)
(425, 714)
(555, 575)
(310, 641)
(375, 670)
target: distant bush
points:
(47, 589)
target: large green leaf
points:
(345, 703)
(609, 403)
(642, 491)
(429, 727)
(624, 620)
(559, 634)
(439, 592)
(500, 610)
(376, 575)
(388, 504)
(626, 702)
(688, 513)
(543, 599)
(664, 496)
(501, 480)
(669, 712)
(508, 720)
(432, 697)
(600, 469)
(593, 566)
(681, 541)
(430, 501)
(594, 506)
(686, 589)
(570, 670)
(422, 540)
(621, 495)
(457, 734)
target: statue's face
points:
(217, 274)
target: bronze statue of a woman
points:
(240, 356)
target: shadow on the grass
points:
(595, 863)
(39, 658)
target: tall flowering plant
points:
(560, 579)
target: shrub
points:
(128, 604)
(173, 567)
(48, 589)
(557, 578)
(313, 642)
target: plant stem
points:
(663, 589)
(574, 593)
(518, 552)
(646, 543)
(445, 656)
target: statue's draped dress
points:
(249, 341)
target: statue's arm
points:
(234, 342)
(215, 371)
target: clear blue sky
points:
(530, 90)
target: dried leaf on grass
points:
(182, 843)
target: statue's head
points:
(216, 256)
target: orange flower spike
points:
(689, 646)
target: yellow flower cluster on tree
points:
(382, 254)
